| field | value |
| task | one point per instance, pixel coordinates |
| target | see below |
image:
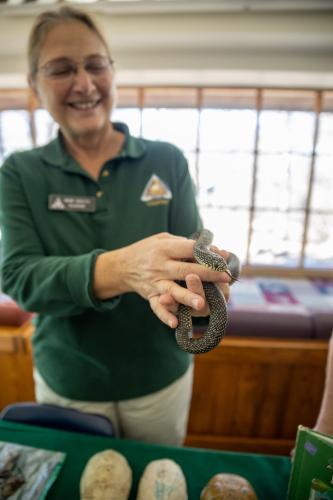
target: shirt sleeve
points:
(52, 285)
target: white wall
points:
(282, 48)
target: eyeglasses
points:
(65, 69)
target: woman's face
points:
(80, 101)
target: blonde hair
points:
(48, 20)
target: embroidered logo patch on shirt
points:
(156, 192)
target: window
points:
(318, 251)
(15, 131)
(261, 162)
(46, 128)
(286, 125)
(15, 122)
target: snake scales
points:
(216, 301)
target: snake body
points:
(215, 299)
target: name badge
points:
(69, 203)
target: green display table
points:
(268, 474)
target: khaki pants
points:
(159, 418)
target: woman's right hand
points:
(151, 267)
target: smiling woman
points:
(71, 74)
(95, 241)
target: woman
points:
(94, 228)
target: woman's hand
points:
(151, 267)
(166, 307)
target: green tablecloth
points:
(268, 474)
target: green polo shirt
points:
(55, 220)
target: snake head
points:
(218, 263)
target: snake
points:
(217, 304)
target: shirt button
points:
(105, 173)
(99, 194)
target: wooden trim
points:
(241, 444)
(197, 145)
(11, 99)
(16, 339)
(254, 176)
(310, 352)
(141, 105)
(9, 345)
(311, 178)
(286, 272)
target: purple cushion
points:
(281, 308)
(269, 322)
(323, 322)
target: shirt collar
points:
(133, 147)
(55, 152)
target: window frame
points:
(141, 98)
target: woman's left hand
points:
(168, 306)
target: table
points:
(268, 474)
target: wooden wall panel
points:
(16, 383)
(270, 413)
(251, 394)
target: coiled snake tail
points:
(215, 299)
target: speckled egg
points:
(228, 487)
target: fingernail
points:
(171, 323)
(196, 303)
